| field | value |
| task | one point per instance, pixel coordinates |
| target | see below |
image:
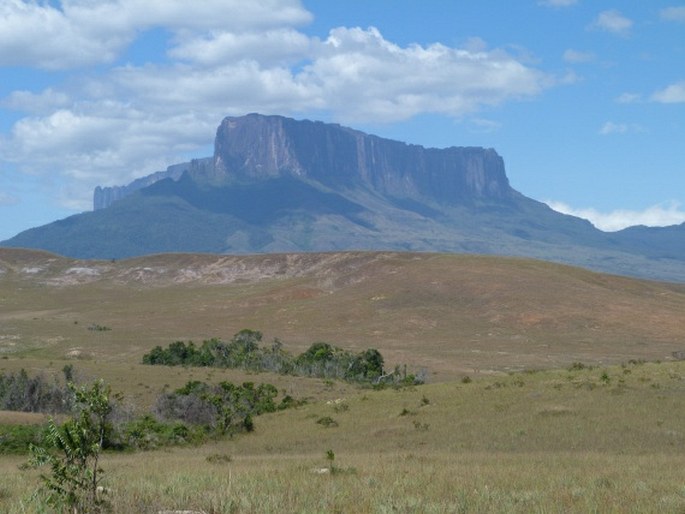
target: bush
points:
(327, 422)
(19, 392)
(225, 408)
(147, 433)
(72, 450)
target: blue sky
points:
(585, 100)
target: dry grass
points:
(606, 439)
(591, 440)
(451, 314)
(21, 418)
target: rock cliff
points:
(254, 148)
(259, 147)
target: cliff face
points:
(255, 147)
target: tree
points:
(366, 366)
(72, 450)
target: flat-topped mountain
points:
(264, 147)
(276, 184)
(259, 148)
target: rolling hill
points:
(450, 314)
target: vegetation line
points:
(321, 360)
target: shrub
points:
(327, 422)
(147, 433)
(72, 450)
(225, 408)
(19, 392)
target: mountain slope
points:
(447, 313)
(275, 184)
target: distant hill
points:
(448, 313)
(276, 184)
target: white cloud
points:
(362, 76)
(40, 35)
(673, 14)
(660, 215)
(26, 101)
(274, 46)
(619, 128)
(675, 93)
(482, 125)
(575, 56)
(129, 120)
(612, 21)
(83, 32)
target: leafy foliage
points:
(321, 359)
(225, 408)
(147, 433)
(72, 451)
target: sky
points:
(584, 100)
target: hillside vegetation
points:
(550, 388)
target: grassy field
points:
(450, 314)
(590, 440)
(527, 431)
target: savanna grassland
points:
(550, 388)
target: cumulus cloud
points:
(619, 128)
(282, 45)
(126, 120)
(673, 14)
(82, 32)
(675, 93)
(362, 76)
(35, 103)
(660, 215)
(612, 21)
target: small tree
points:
(72, 451)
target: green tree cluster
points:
(321, 359)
